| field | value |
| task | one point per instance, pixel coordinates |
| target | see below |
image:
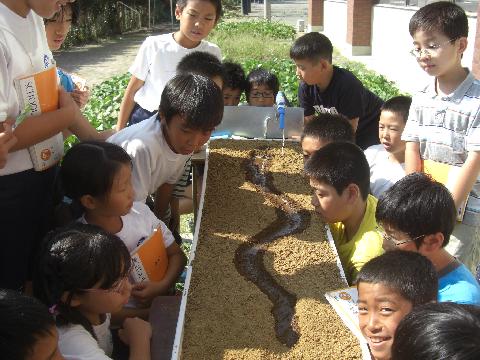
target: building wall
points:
(391, 42)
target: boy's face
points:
(231, 97)
(394, 239)
(183, 139)
(439, 54)
(197, 19)
(58, 29)
(310, 145)
(331, 206)
(309, 71)
(47, 8)
(390, 129)
(261, 95)
(380, 310)
(46, 347)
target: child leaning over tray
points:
(98, 176)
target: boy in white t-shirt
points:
(387, 159)
(157, 59)
(191, 106)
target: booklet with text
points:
(38, 93)
(150, 260)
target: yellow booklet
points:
(447, 175)
(37, 94)
(150, 260)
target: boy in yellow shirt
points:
(340, 176)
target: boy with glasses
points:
(418, 214)
(262, 88)
(444, 119)
(326, 88)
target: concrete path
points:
(99, 62)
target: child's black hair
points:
(202, 63)
(216, 3)
(262, 76)
(24, 320)
(234, 76)
(438, 331)
(313, 47)
(77, 257)
(340, 164)
(329, 127)
(417, 205)
(399, 105)
(408, 273)
(194, 97)
(61, 13)
(444, 17)
(88, 168)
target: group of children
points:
(408, 254)
(118, 192)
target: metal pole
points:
(148, 14)
(171, 12)
(267, 10)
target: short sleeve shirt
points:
(138, 226)
(23, 51)
(363, 246)
(345, 95)
(447, 128)
(156, 63)
(154, 162)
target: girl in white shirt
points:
(82, 277)
(97, 175)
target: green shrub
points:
(104, 104)
(255, 28)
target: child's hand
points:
(144, 292)
(80, 97)
(135, 331)
(7, 140)
(66, 102)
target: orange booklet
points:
(37, 94)
(447, 175)
(150, 259)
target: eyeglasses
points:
(432, 49)
(119, 287)
(264, 94)
(393, 241)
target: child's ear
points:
(178, 12)
(462, 44)
(88, 202)
(433, 242)
(353, 192)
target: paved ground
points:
(99, 62)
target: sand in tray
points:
(228, 316)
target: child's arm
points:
(7, 140)
(466, 178)
(162, 199)
(413, 162)
(128, 103)
(136, 333)
(144, 292)
(37, 128)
